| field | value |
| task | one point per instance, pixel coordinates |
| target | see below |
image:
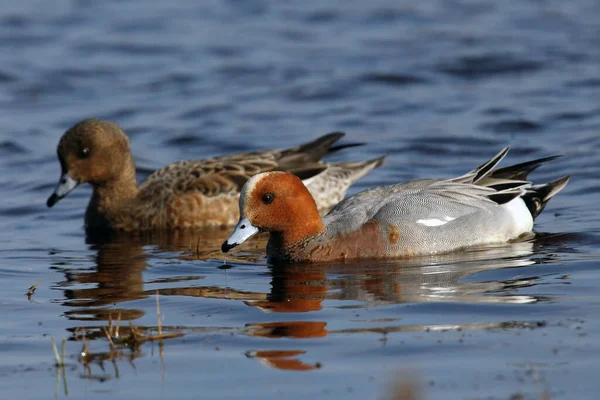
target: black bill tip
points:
(225, 247)
(52, 200)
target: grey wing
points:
(436, 203)
(425, 200)
(442, 217)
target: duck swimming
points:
(486, 205)
(186, 194)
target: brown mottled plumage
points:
(185, 194)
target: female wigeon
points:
(197, 193)
(423, 217)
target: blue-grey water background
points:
(438, 86)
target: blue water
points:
(438, 86)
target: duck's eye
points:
(268, 198)
(85, 152)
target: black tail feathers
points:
(537, 196)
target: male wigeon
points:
(196, 193)
(422, 217)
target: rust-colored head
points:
(93, 151)
(277, 202)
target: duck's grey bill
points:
(243, 231)
(65, 185)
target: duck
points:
(191, 193)
(418, 218)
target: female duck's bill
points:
(66, 185)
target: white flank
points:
(434, 221)
(522, 219)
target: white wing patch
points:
(435, 221)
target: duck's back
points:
(204, 193)
(192, 194)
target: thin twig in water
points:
(118, 324)
(112, 344)
(57, 361)
(158, 314)
(31, 290)
(110, 325)
(63, 349)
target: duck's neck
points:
(290, 244)
(112, 198)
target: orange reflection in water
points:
(282, 359)
(293, 329)
(295, 290)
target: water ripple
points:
(512, 126)
(482, 66)
(394, 79)
(439, 87)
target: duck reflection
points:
(441, 278)
(117, 277)
(102, 293)
(304, 288)
(307, 288)
(121, 261)
(287, 360)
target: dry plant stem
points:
(163, 367)
(64, 378)
(118, 324)
(64, 350)
(58, 361)
(158, 314)
(85, 350)
(114, 363)
(108, 336)
(60, 364)
(31, 289)
(110, 324)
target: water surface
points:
(438, 86)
